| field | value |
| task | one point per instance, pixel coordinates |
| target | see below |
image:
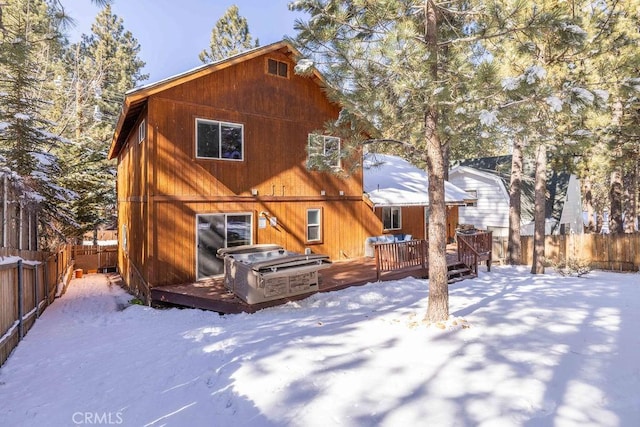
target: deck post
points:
(20, 300)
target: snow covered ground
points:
(538, 351)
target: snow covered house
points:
(488, 180)
(218, 156)
(398, 190)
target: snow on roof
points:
(393, 181)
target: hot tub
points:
(259, 273)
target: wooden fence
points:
(616, 252)
(29, 282)
(93, 258)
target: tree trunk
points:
(629, 185)
(615, 198)
(514, 249)
(446, 156)
(438, 306)
(537, 266)
(588, 205)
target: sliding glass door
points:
(215, 231)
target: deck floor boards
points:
(211, 294)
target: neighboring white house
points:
(491, 211)
(488, 179)
(398, 190)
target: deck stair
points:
(458, 271)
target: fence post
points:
(35, 290)
(20, 302)
(45, 277)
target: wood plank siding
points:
(492, 207)
(163, 185)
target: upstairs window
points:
(142, 131)
(219, 140)
(277, 68)
(391, 218)
(324, 152)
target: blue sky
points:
(172, 33)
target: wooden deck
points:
(212, 295)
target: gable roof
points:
(392, 181)
(136, 99)
(488, 176)
(500, 166)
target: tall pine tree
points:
(94, 75)
(229, 36)
(28, 39)
(411, 69)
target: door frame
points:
(197, 236)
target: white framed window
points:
(219, 140)
(324, 151)
(392, 217)
(314, 225)
(142, 131)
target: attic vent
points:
(277, 68)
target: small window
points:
(142, 131)
(277, 68)
(314, 228)
(324, 152)
(473, 195)
(391, 218)
(219, 140)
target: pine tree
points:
(29, 36)
(552, 79)
(230, 36)
(415, 71)
(93, 77)
(619, 131)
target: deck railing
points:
(474, 248)
(393, 256)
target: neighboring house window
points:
(391, 218)
(142, 131)
(324, 151)
(219, 140)
(474, 195)
(314, 228)
(277, 68)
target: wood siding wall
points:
(162, 186)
